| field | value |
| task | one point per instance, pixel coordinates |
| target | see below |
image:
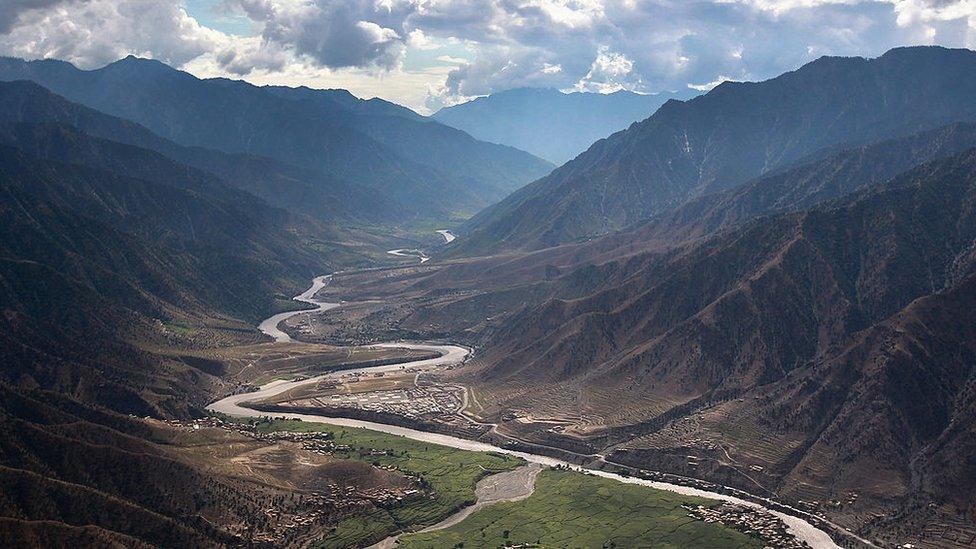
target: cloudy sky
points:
(428, 53)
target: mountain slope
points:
(734, 133)
(820, 355)
(820, 346)
(111, 248)
(548, 123)
(304, 128)
(800, 187)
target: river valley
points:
(450, 356)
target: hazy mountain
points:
(800, 187)
(548, 123)
(732, 134)
(424, 168)
(280, 184)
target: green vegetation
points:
(451, 473)
(180, 329)
(570, 509)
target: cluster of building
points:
(748, 520)
(413, 403)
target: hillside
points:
(551, 124)
(732, 134)
(721, 327)
(119, 243)
(415, 163)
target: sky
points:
(426, 54)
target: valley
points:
(305, 400)
(242, 314)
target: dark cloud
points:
(334, 34)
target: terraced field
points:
(570, 509)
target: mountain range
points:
(551, 124)
(803, 333)
(771, 286)
(330, 140)
(735, 132)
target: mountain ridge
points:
(723, 138)
(307, 132)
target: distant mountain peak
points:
(133, 63)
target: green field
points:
(451, 473)
(570, 509)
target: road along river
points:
(234, 405)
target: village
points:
(748, 520)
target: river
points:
(448, 236)
(270, 325)
(450, 355)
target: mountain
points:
(105, 244)
(804, 335)
(551, 124)
(415, 162)
(732, 134)
(800, 187)
(831, 332)
(314, 193)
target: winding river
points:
(235, 405)
(270, 325)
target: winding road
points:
(235, 405)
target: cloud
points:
(709, 85)
(10, 10)
(594, 45)
(611, 71)
(335, 34)
(92, 33)
(452, 60)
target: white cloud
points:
(709, 85)
(548, 68)
(417, 39)
(611, 71)
(11, 10)
(452, 60)
(95, 32)
(332, 34)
